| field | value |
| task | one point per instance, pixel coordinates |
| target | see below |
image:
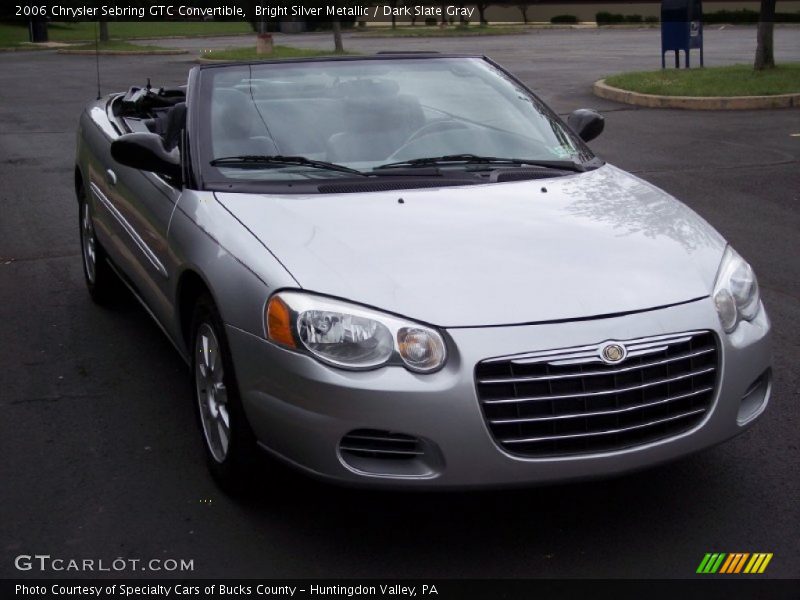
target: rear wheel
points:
(101, 281)
(229, 442)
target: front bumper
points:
(301, 409)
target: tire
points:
(229, 442)
(101, 281)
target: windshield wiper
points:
(247, 160)
(470, 159)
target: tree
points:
(336, 25)
(523, 8)
(482, 6)
(103, 31)
(765, 55)
(461, 18)
(341, 8)
(412, 4)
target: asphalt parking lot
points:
(101, 457)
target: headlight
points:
(736, 291)
(350, 336)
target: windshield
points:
(365, 114)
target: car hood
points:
(597, 243)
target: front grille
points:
(569, 401)
(375, 443)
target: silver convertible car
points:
(406, 270)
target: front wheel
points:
(229, 443)
(101, 281)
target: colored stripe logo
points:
(734, 563)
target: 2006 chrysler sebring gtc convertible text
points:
(406, 270)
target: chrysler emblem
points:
(613, 352)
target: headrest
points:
(367, 88)
(235, 112)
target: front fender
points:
(237, 269)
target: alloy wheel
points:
(212, 395)
(89, 244)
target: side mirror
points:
(145, 151)
(587, 123)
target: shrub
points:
(607, 18)
(746, 16)
(787, 17)
(731, 16)
(564, 19)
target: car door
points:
(143, 203)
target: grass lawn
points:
(430, 31)
(277, 52)
(735, 80)
(118, 46)
(14, 35)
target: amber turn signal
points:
(279, 327)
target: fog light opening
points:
(755, 398)
(383, 453)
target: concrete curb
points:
(88, 41)
(219, 61)
(215, 61)
(25, 49)
(187, 37)
(166, 52)
(370, 35)
(601, 89)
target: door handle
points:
(111, 177)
